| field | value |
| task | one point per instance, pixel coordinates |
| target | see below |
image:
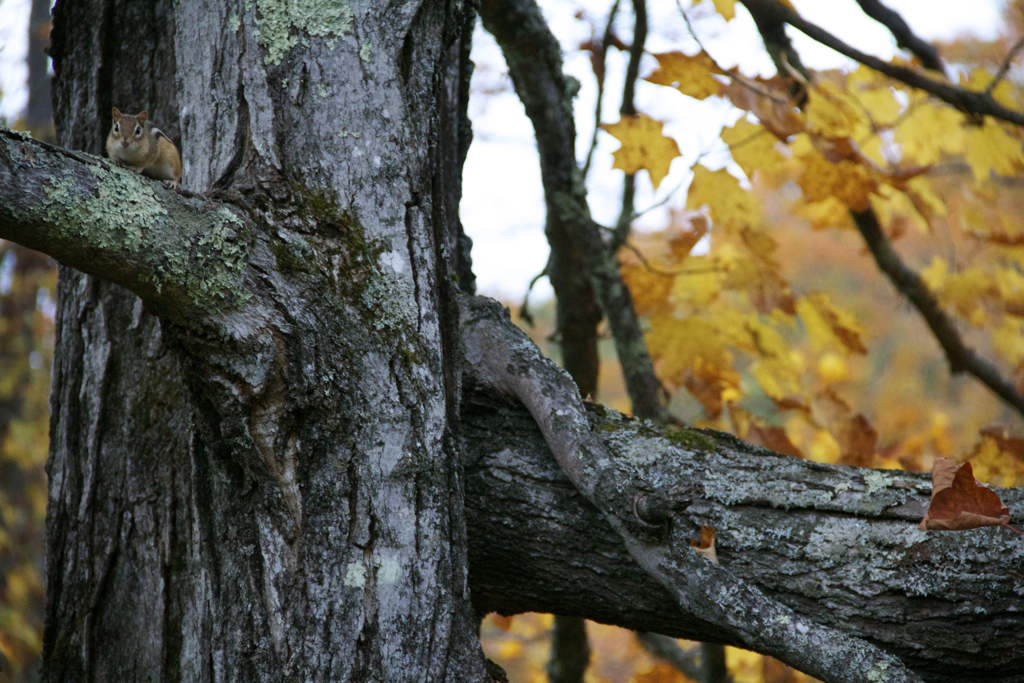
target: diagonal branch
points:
(628, 108)
(535, 65)
(1005, 66)
(961, 358)
(185, 257)
(900, 30)
(629, 495)
(978, 103)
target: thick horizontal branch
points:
(960, 357)
(839, 546)
(186, 257)
(980, 103)
(657, 489)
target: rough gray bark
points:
(260, 484)
(822, 567)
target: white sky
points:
(503, 208)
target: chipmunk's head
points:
(128, 131)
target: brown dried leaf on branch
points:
(706, 545)
(961, 502)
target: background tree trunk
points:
(272, 491)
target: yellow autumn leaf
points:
(1011, 288)
(875, 94)
(510, 649)
(828, 213)
(828, 325)
(689, 75)
(825, 448)
(846, 181)
(700, 287)
(891, 204)
(753, 148)
(965, 291)
(989, 149)
(643, 147)
(730, 204)
(734, 328)
(832, 113)
(833, 368)
(727, 8)
(928, 132)
(680, 345)
(934, 275)
(978, 80)
(1008, 339)
(994, 465)
(649, 289)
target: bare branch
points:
(1005, 66)
(547, 95)
(905, 38)
(907, 282)
(636, 51)
(667, 649)
(977, 103)
(184, 256)
(599, 73)
(628, 108)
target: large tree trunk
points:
(270, 491)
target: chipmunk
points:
(138, 144)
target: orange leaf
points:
(706, 545)
(960, 502)
(774, 439)
(727, 8)
(857, 440)
(769, 100)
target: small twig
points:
(733, 74)
(907, 282)
(669, 273)
(668, 650)
(978, 103)
(603, 58)
(1005, 66)
(628, 108)
(524, 309)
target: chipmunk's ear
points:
(117, 114)
(142, 116)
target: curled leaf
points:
(961, 502)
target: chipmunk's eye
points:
(138, 131)
(117, 127)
